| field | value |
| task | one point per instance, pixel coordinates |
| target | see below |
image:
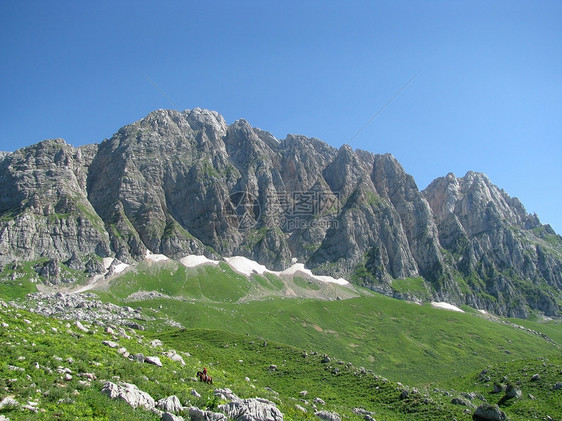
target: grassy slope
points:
(538, 400)
(403, 341)
(28, 339)
(215, 284)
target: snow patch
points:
(155, 257)
(120, 267)
(107, 261)
(446, 306)
(246, 266)
(193, 260)
(299, 267)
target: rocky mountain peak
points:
(179, 183)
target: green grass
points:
(402, 341)
(538, 399)
(239, 362)
(306, 283)
(416, 286)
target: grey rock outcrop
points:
(328, 416)
(130, 393)
(504, 253)
(488, 412)
(170, 404)
(197, 414)
(186, 182)
(255, 409)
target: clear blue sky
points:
(487, 96)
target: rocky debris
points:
(367, 415)
(319, 401)
(155, 343)
(89, 376)
(170, 404)
(535, 377)
(110, 344)
(197, 414)
(225, 394)
(195, 393)
(81, 308)
(147, 295)
(462, 402)
(557, 386)
(488, 412)
(80, 326)
(255, 409)
(174, 356)
(8, 403)
(130, 393)
(328, 416)
(498, 388)
(512, 391)
(153, 360)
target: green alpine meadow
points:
(190, 269)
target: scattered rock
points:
(498, 388)
(462, 402)
(300, 408)
(512, 391)
(155, 342)
(153, 360)
(256, 409)
(488, 412)
(225, 394)
(170, 404)
(9, 403)
(80, 326)
(535, 377)
(195, 393)
(557, 386)
(197, 414)
(319, 401)
(130, 393)
(328, 416)
(110, 344)
(174, 356)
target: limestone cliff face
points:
(183, 183)
(45, 214)
(509, 260)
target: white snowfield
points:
(446, 306)
(248, 267)
(155, 257)
(194, 260)
(118, 266)
(299, 267)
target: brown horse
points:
(204, 377)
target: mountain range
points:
(187, 183)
